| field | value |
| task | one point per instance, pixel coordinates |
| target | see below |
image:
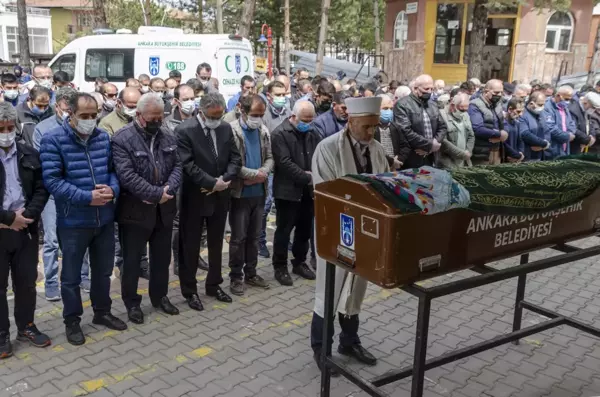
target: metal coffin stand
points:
(487, 275)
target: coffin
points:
(358, 230)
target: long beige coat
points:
(333, 159)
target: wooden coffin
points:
(358, 230)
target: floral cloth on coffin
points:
(426, 190)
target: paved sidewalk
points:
(259, 344)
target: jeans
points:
(348, 334)
(290, 215)
(50, 249)
(262, 240)
(101, 244)
(135, 239)
(19, 257)
(245, 219)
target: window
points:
(84, 19)
(114, 64)
(559, 32)
(448, 33)
(400, 30)
(38, 40)
(65, 63)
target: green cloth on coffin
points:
(530, 187)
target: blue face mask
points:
(563, 104)
(386, 116)
(304, 127)
(37, 111)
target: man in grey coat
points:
(458, 145)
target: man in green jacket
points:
(123, 112)
(458, 145)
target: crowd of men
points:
(115, 176)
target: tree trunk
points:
(148, 13)
(99, 15)
(247, 18)
(286, 36)
(377, 33)
(322, 35)
(24, 54)
(595, 59)
(480, 20)
(200, 17)
(219, 9)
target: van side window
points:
(65, 63)
(114, 64)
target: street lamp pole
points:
(269, 47)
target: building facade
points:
(40, 32)
(522, 43)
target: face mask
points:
(425, 96)
(495, 99)
(46, 83)
(197, 102)
(171, 92)
(537, 110)
(129, 112)
(6, 140)
(11, 94)
(211, 124)
(324, 106)
(152, 127)
(458, 114)
(37, 111)
(86, 127)
(278, 102)
(304, 127)
(145, 89)
(160, 94)
(253, 123)
(188, 107)
(386, 116)
(563, 104)
(110, 104)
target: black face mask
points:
(152, 127)
(324, 106)
(495, 99)
(425, 96)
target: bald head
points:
(337, 85)
(423, 87)
(423, 80)
(563, 96)
(129, 97)
(386, 102)
(565, 90)
(439, 85)
(302, 114)
(493, 91)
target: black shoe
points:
(109, 321)
(283, 276)
(194, 303)
(304, 271)
(236, 287)
(135, 315)
(75, 335)
(145, 270)
(202, 264)
(263, 251)
(32, 335)
(257, 281)
(359, 353)
(219, 294)
(317, 357)
(166, 306)
(5, 345)
(313, 262)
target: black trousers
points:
(19, 256)
(245, 219)
(175, 239)
(190, 233)
(134, 239)
(290, 215)
(348, 335)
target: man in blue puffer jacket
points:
(78, 171)
(532, 128)
(559, 122)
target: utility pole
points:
(286, 36)
(377, 33)
(219, 8)
(24, 54)
(325, 5)
(99, 15)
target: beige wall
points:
(404, 64)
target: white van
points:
(121, 56)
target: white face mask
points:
(253, 123)
(188, 107)
(6, 140)
(110, 103)
(11, 94)
(160, 94)
(210, 123)
(86, 127)
(197, 102)
(46, 83)
(130, 112)
(145, 89)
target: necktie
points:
(369, 167)
(211, 144)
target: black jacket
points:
(36, 195)
(581, 136)
(143, 173)
(27, 120)
(201, 171)
(401, 147)
(292, 152)
(408, 117)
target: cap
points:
(363, 106)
